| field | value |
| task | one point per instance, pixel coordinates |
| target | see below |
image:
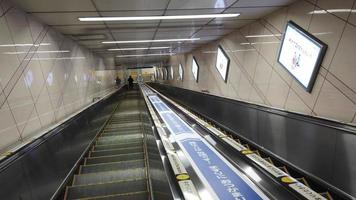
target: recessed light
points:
(147, 41)
(206, 16)
(143, 55)
(142, 48)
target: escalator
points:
(124, 162)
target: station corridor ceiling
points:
(63, 16)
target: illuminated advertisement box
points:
(195, 69)
(222, 63)
(301, 55)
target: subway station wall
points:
(44, 76)
(255, 76)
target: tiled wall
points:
(255, 76)
(44, 76)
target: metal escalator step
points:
(118, 158)
(84, 169)
(118, 146)
(113, 141)
(124, 125)
(120, 132)
(131, 196)
(109, 176)
(121, 137)
(99, 190)
(112, 152)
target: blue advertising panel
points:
(224, 181)
(161, 107)
(175, 124)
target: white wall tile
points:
(8, 63)
(277, 91)
(328, 29)
(309, 98)
(262, 75)
(339, 4)
(352, 18)
(19, 30)
(334, 105)
(343, 64)
(298, 13)
(295, 104)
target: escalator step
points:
(119, 158)
(84, 169)
(113, 146)
(114, 188)
(107, 141)
(138, 149)
(120, 137)
(131, 196)
(120, 132)
(109, 176)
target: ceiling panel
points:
(55, 6)
(251, 13)
(255, 3)
(189, 4)
(228, 23)
(105, 5)
(131, 13)
(134, 36)
(78, 29)
(66, 18)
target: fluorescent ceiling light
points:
(24, 45)
(143, 55)
(259, 36)
(147, 41)
(140, 18)
(227, 51)
(60, 58)
(39, 52)
(332, 11)
(247, 43)
(133, 49)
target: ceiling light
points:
(207, 16)
(24, 52)
(60, 58)
(259, 36)
(133, 49)
(332, 11)
(24, 45)
(143, 55)
(147, 41)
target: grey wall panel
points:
(322, 148)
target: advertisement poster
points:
(300, 55)
(222, 63)
(195, 69)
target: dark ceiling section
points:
(63, 16)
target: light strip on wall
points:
(173, 17)
(133, 49)
(143, 55)
(147, 41)
(39, 52)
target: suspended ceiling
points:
(63, 16)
